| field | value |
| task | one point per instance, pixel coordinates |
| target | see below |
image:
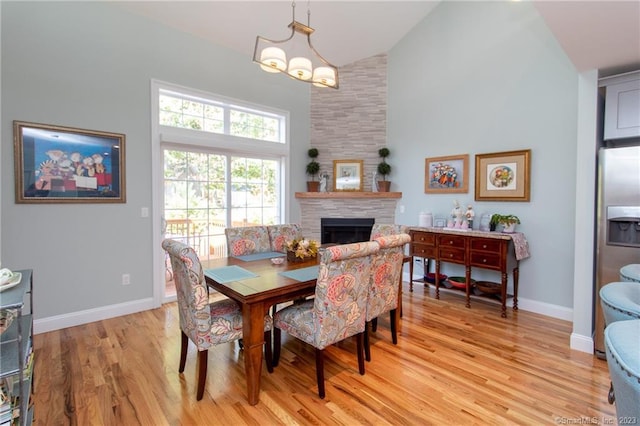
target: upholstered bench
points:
(622, 345)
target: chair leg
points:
(184, 343)
(203, 357)
(367, 347)
(276, 346)
(374, 325)
(360, 350)
(320, 372)
(394, 331)
(612, 396)
(268, 356)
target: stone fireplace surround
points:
(317, 205)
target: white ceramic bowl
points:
(277, 260)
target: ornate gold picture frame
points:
(347, 175)
(503, 176)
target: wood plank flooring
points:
(452, 365)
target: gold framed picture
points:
(503, 176)
(56, 164)
(443, 175)
(347, 175)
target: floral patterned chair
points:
(339, 307)
(205, 324)
(386, 272)
(280, 234)
(384, 229)
(247, 240)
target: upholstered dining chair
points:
(243, 240)
(279, 235)
(386, 272)
(338, 309)
(384, 229)
(205, 324)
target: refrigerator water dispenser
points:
(623, 226)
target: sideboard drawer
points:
(422, 250)
(486, 260)
(486, 244)
(427, 238)
(451, 241)
(451, 254)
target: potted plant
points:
(508, 221)
(383, 169)
(313, 167)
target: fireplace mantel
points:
(348, 194)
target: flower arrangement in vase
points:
(301, 249)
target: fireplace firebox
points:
(345, 231)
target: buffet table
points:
(495, 251)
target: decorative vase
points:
(313, 186)
(383, 185)
(509, 228)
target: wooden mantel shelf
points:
(348, 195)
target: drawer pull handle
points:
(450, 242)
(484, 260)
(451, 255)
(484, 246)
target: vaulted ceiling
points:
(602, 35)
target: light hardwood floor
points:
(452, 365)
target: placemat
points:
(302, 274)
(260, 256)
(227, 274)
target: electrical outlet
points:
(126, 279)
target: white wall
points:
(481, 77)
(89, 65)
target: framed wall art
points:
(347, 175)
(503, 176)
(446, 174)
(56, 164)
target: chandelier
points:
(294, 57)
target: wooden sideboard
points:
(473, 249)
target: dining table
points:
(257, 283)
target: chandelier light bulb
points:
(324, 76)
(300, 68)
(273, 59)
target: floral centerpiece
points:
(302, 249)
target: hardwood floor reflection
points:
(452, 365)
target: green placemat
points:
(260, 256)
(302, 274)
(227, 274)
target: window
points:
(192, 112)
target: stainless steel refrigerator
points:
(618, 219)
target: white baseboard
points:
(90, 315)
(581, 343)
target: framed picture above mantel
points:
(56, 164)
(503, 176)
(347, 175)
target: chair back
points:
(341, 292)
(191, 291)
(385, 275)
(279, 235)
(384, 229)
(247, 240)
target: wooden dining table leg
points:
(253, 337)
